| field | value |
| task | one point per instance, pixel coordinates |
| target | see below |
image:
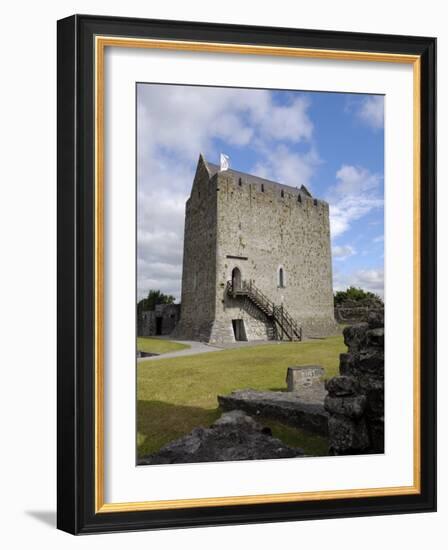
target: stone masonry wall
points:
(260, 232)
(161, 321)
(146, 323)
(355, 399)
(199, 260)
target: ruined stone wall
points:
(162, 320)
(351, 312)
(261, 231)
(169, 313)
(355, 400)
(146, 323)
(199, 260)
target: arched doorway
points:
(236, 279)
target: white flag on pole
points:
(224, 162)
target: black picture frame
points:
(76, 255)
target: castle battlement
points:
(254, 184)
(232, 184)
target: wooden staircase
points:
(285, 324)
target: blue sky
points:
(331, 142)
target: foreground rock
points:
(234, 436)
(355, 400)
(300, 411)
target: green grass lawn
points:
(151, 344)
(178, 394)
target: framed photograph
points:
(246, 274)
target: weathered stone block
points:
(371, 380)
(235, 436)
(298, 378)
(370, 362)
(376, 432)
(341, 386)
(355, 400)
(376, 319)
(351, 406)
(354, 336)
(346, 364)
(287, 407)
(375, 337)
(347, 436)
(375, 402)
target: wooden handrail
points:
(279, 313)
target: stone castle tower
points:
(257, 260)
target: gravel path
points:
(200, 347)
(194, 349)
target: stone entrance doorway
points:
(239, 330)
(158, 326)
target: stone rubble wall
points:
(146, 323)
(354, 313)
(234, 436)
(355, 399)
(147, 320)
(286, 407)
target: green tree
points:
(154, 298)
(353, 294)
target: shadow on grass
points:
(312, 444)
(159, 422)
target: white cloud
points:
(287, 122)
(349, 209)
(186, 119)
(343, 252)
(370, 111)
(160, 223)
(354, 180)
(355, 194)
(371, 280)
(288, 167)
(379, 239)
(175, 123)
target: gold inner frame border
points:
(101, 42)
